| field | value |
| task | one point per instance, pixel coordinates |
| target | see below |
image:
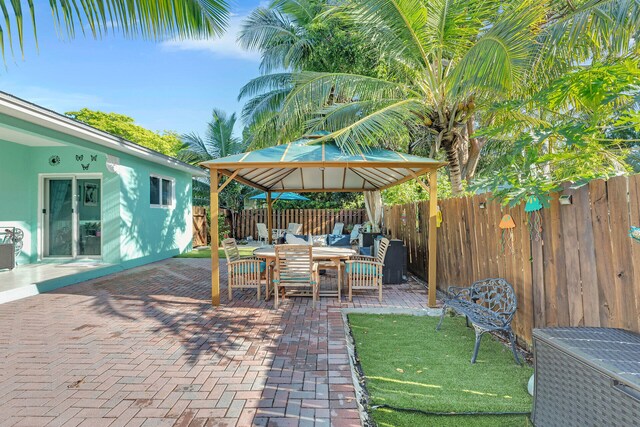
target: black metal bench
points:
(489, 305)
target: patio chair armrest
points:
(364, 261)
(362, 258)
(363, 267)
(459, 292)
(247, 261)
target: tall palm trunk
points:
(451, 142)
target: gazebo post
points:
(214, 179)
(269, 217)
(433, 235)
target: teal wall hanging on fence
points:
(534, 220)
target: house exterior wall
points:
(133, 232)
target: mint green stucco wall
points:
(132, 232)
(18, 198)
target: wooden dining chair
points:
(295, 269)
(365, 272)
(243, 272)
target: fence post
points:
(433, 233)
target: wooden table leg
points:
(339, 267)
(269, 279)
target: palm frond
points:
(264, 133)
(402, 24)
(499, 61)
(151, 19)
(386, 126)
(281, 40)
(340, 115)
(314, 91)
(452, 26)
(264, 104)
(606, 26)
(265, 83)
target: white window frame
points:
(172, 196)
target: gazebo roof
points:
(308, 165)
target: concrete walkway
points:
(145, 348)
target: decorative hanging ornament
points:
(438, 217)
(634, 233)
(507, 225)
(534, 220)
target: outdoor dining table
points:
(333, 255)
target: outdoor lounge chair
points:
(294, 228)
(295, 269)
(243, 272)
(355, 234)
(337, 228)
(365, 272)
(263, 233)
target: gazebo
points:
(313, 164)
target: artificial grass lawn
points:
(408, 364)
(206, 253)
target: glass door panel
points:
(89, 217)
(59, 217)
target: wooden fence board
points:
(571, 271)
(588, 273)
(621, 250)
(604, 267)
(634, 218)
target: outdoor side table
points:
(586, 377)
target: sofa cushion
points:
(361, 267)
(292, 239)
(338, 240)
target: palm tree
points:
(293, 36)
(218, 141)
(151, 19)
(281, 33)
(446, 60)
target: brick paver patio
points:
(145, 348)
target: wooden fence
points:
(314, 221)
(584, 270)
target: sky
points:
(166, 85)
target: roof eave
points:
(301, 165)
(49, 119)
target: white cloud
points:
(225, 46)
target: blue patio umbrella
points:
(276, 195)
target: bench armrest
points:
(459, 292)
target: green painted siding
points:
(132, 231)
